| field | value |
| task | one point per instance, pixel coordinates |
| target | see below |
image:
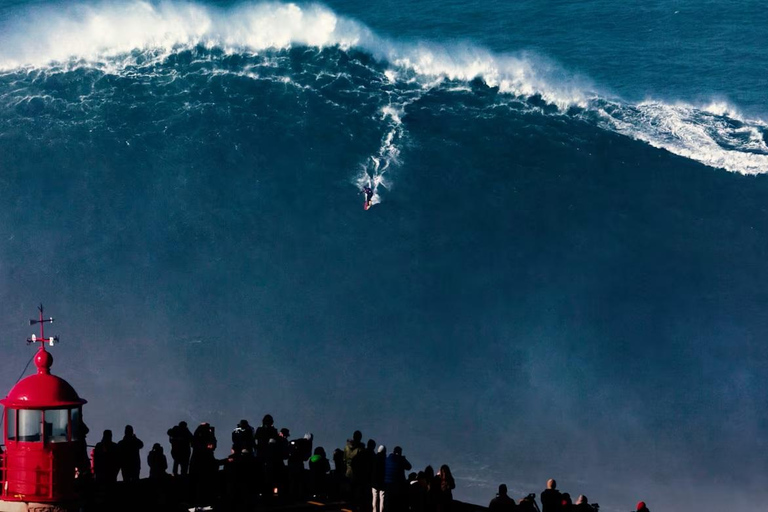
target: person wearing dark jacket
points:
(641, 507)
(528, 504)
(181, 447)
(377, 479)
(319, 466)
(551, 499)
(106, 459)
(502, 502)
(582, 505)
(157, 462)
(243, 438)
(263, 434)
(395, 467)
(130, 460)
(203, 463)
(446, 485)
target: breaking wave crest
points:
(117, 36)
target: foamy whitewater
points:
(562, 274)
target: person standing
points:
(181, 447)
(377, 479)
(394, 479)
(130, 459)
(551, 499)
(106, 459)
(502, 502)
(446, 485)
(157, 462)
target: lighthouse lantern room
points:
(43, 433)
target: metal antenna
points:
(42, 321)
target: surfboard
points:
(366, 205)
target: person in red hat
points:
(641, 507)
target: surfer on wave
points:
(368, 192)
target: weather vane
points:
(42, 321)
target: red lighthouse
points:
(43, 433)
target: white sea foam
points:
(117, 35)
(707, 135)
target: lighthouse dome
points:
(42, 390)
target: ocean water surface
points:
(563, 275)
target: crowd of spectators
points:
(266, 465)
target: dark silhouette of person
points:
(377, 479)
(299, 451)
(368, 192)
(319, 467)
(362, 466)
(566, 503)
(181, 447)
(641, 507)
(239, 473)
(352, 451)
(339, 473)
(528, 504)
(551, 499)
(202, 464)
(80, 432)
(446, 485)
(243, 438)
(502, 502)
(582, 504)
(433, 489)
(417, 492)
(157, 462)
(106, 459)
(263, 434)
(275, 475)
(353, 448)
(130, 459)
(395, 488)
(204, 444)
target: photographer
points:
(528, 504)
(243, 438)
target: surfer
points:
(368, 191)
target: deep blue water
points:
(564, 274)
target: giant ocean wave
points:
(169, 40)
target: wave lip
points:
(95, 32)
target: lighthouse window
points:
(29, 425)
(10, 423)
(56, 423)
(76, 424)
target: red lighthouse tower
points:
(43, 434)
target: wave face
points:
(131, 37)
(553, 280)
